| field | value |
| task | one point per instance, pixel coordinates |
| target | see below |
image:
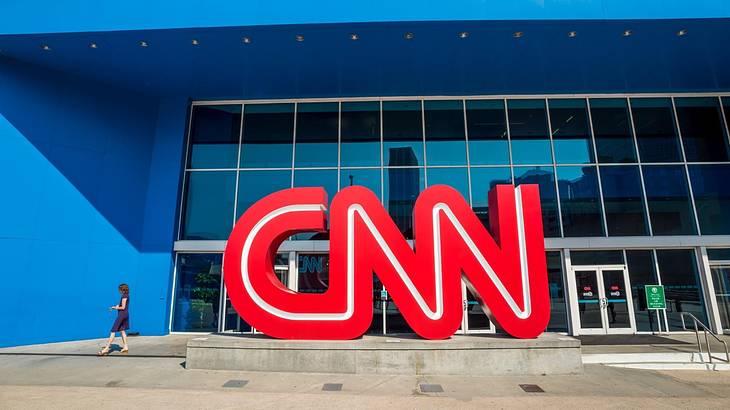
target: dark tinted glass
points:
(209, 205)
(369, 178)
(445, 140)
(682, 289)
(360, 134)
(558, 311)
(313, 273)
(214, 136)
(327, 179)
(453, 177)
(719, 254)
(529, 132)
(254, 185)
(545, 178)
(316, 138)
(400, 190)
(580, 201)
(268, 132)
(623, 199)
(487, 128)
(612, 130)
(711, 189)
(703, 131)
(642, 271)
(482, 181)
(726, 110)
(571, 131)
(197, 293)
(667, 194)
(578, 258)
(656, 132)
(402, 133)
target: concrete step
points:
(658, 361)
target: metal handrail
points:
(707, 340)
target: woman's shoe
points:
(124, 351)
(103, 352)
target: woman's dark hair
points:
(124, 288)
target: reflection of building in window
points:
(404, 184)
(544, 178)
(314, 272)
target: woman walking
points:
(122, 322)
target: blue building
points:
(133, 134)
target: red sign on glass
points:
(506, 273)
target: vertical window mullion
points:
(238, 165)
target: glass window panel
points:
(591, 258)
(268, 133)
(623, 199)
(482, 181)
(360, 134)
(642, 271)
(529, 132)
(545, 178)
(726, 110)
(369, 178)
(214, 135)
(209, 197)
(703, 131)
(721, 283)
(487, 129)
(316, 137)
(325, 178)
(719, 254)
(580, 201)
(453, 177)
(571, 131)
(254, 185)
(656, 133)
(682, 289)
(445, 139)
(558, 308)
(711, 189)
(400, 190)
(313, 272)
(667, 194)
(612, 130)
(402, 133)
(197, 292)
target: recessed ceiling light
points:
(409, 36)
(46, 47)
(627, 33)
(518, 34)
(93, 45)
(682, 32)
(464, 34)
(143, 43)
(299, 37)
(247, 40)
(354, 36)
(572, 34)
(195, 42)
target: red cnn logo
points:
(506, 273)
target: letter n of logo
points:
(506, 273)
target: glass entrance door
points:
(721, 283)
(602, 300)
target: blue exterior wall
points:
(83, 168)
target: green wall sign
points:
(655, 297)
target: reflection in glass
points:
(718, 254)
(711, 189)
(544, 177)
(721, 283)
(623, 199)
(402, 133)
(487, 128)
(682, 290)
(703, 131)
(612, 130)
(617, 306)
(589, 306)
(214, 135)
(326, 178)
(571, 132)
(254, 185)
(667, 194)
(726, 110)
(656, 133)
(208, 205)
(453, 177)
(313, 272)
(558, 308)
(445, 139)
(316, 137)
(529, 132)
(482, 181)
(268, 133)
(400, 190)
(197, 292)
(369, 178)
(580, 201)
(601, 257)
(642, 271)
(360, 134)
